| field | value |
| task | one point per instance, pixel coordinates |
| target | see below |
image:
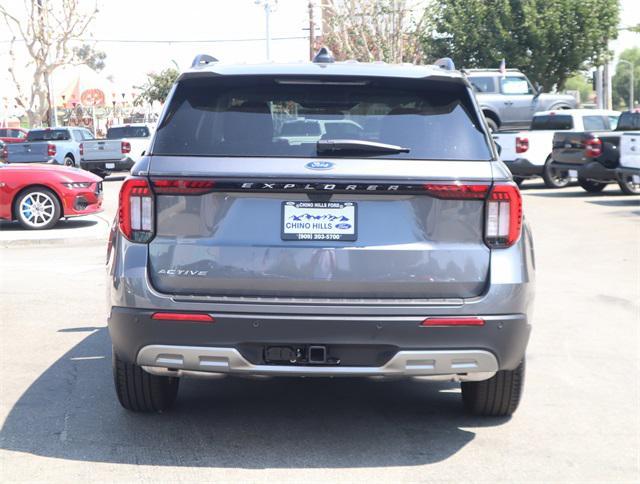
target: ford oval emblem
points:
(319, 165)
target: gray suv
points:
(508, 100)
(395, 249)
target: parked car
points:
(595, 155)
(250, 255)
(508, 99)
(311, 130)
(13, 135)
(37, 196)
(628, 172)
(528, 153)
(49, 145)
(124, 146)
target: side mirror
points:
(538, 88)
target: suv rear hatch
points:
(240, 210)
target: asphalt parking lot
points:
(579, 420)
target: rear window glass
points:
(595, 123)
(555, 122)
(128, 132)
(628, 121)
(483, 84)
(280, 117)
(48, 135)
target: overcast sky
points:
(226, 24)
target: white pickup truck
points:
(628, 170)
(122, 148)
(528, 153)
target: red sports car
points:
(38, 196)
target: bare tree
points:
(48, 30)
(373, 30)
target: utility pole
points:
(312, 32)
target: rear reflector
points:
(457, 191)
(194, 317)
(465, 321)
(182, 187)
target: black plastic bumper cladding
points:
(360, 342)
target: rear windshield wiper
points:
(340, 146)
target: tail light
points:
(81, 148)
(135, 211)
(51, 150)
(522, 144)
(457, 191)
(5, 153)
(593, 148)
(125, 147)
(503, 211)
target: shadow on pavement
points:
(71, 412)
(630, 201)
(560, 193)
(61, 225)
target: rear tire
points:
(140, 391)
(518, 180)
(591, 186)
(554, 178)
(627, 185)
(493, 126)
(69, 161)
(498, 396)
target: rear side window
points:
(628, 121)
(48, 135)
(514, 85)
(128, 132)
(554, 123)
(595, 123)
(280, 117)
(483, 84)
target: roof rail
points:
(203, 60)
(445, 63)
(324, 56)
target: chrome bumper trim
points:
(185, 360)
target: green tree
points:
(157, 87)
(581, 82)
(620, 83)
(548, 40)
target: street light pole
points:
(631, 67)
(268, 8)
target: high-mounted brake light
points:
(51, 150)
(457, 191)
(125, 147)
(461, 321)
(135, 211)
(182, 187)
(503, 222)
(522, 144)
(593, 148)
(186, 317)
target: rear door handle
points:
(508, 103)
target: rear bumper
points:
(591, 171)
(365, 345)
(123, 164)
(523, 167)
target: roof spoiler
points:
(202, 60)
(445, 63)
